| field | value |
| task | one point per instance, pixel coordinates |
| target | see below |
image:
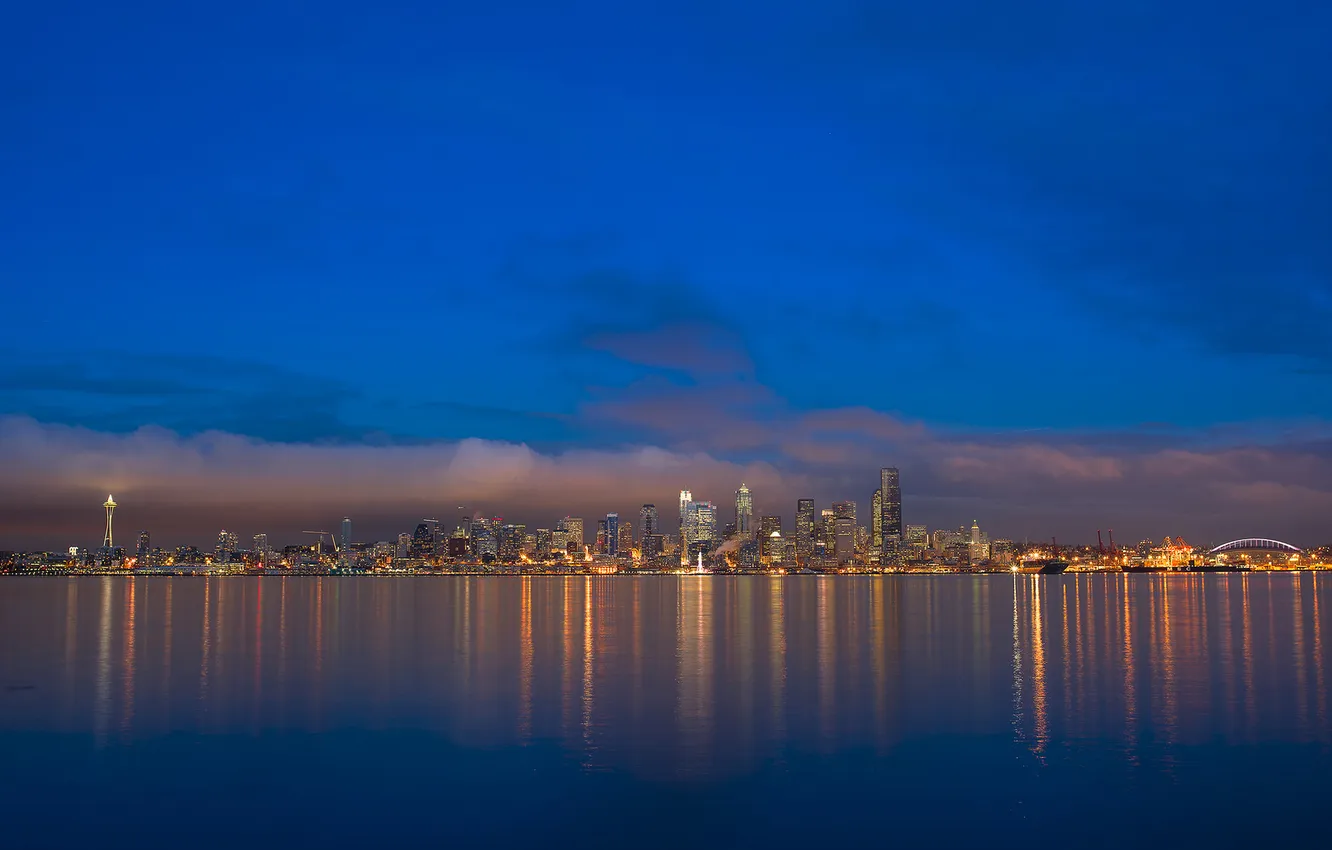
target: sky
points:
(1066, 264)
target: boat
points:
(1043, 567)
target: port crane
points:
(319, 541)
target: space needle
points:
(110, 505)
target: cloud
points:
(185, 487)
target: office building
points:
(227, 546)
(648, 520)
(625, 548)
(573, 526)
(686, 498)
(510, 543)
(612, 534)
(844, 539)
(141, 551)
(744, 511)
(876, 520)
(700, 528)
(804, 528)
(345, 542)
(891, 511)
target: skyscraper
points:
(804, 527)
(626, 548)
(876, 520)
(261, 549)
(142, 551)
(700, 530)
(891, 514)
(573, 526)
(649, 521)
(770, 535)
(344, 542)
(227, 544)
(844, 538)
(685, 498)
(612, 534)
(744, 511)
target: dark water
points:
(804, 712)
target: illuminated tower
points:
(685, 498)
(110, 505)
(744, 511)
(891, 509)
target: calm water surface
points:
(1028, 711)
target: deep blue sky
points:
(684, 225)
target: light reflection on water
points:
(679, 676)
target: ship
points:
(1043, 567)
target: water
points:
(1022, 711)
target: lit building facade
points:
(744, 511)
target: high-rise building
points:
(804, 527)
(652, 546)
(916, 536)
(423, 540)
(227, 545)
(404, 545)
(601, 547)
(625, 548)
(845, 510)
(485, 537)
(700, 528)
(686, 498)
(744, 511)
(844, 538)
(345, 541)
(827, 536)
(142, 550)
(769, 536)
(648, 520)
(573, 526)
(876, 520)
(891, 512)
(261, 549)
(612, 534)
(544, 543)
(979, 544)
(510, 543)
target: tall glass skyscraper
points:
(891, 513)
(804, 527)
(648, 520)
(612, 534)
(744, 512)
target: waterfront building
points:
(141, 551)
(345, 543)
(404, 545)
